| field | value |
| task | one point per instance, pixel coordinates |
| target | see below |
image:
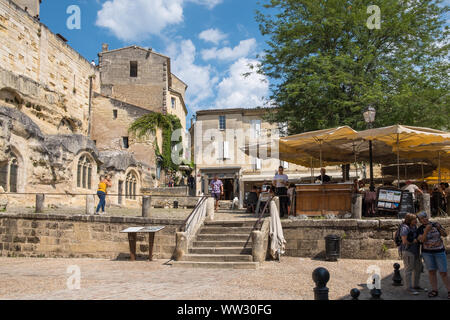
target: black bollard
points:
(376, 294)
(355, 293)
(397, 278)
(320, 277)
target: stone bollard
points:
(355, 293)
(357, 206)
(181, 245)
(90, 204)
(425, 204)
(321, 276)
(40, 198)
(397, 278)
(258, 252)
(146, 204)
(209, 209)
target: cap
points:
(422, 214)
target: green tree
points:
(168, 124)
(327, 66)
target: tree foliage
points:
(168, 124)
(328, 66)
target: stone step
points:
(231, 223)
(215, 265)
(225, 230)
(220, 250)
(222, 237)
(217, 257)
(235, 244)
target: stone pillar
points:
(181, 245)
(357, 206)
(258, 252)
(40, 198)
(209, 209)
(146, 204)
(90, 204)
(425, 204)
(241, 194)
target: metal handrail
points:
(199, 203)
(94, 194)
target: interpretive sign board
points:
(389, 199)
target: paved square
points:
(23, 278)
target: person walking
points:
(410, 253)
(280, 182)
(433, 252)
(216, 190)
(104, 184)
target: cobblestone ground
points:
(22, 278)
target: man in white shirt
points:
(280, 181)
(412, 188)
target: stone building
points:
(218, 138)
(61, 126)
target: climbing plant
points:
(168, 123)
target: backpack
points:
(397, 237)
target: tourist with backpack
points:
(433, 252)
(409, 250)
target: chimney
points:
(105, 47)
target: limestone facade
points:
(60, 127)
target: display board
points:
(407, 204)
(389, 199)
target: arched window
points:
(84, 173)
(130, 186)
(9, 171)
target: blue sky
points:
(211, 42)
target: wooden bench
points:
(132, 236)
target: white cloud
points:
(208, 3)
(238, 91)
(132, 20)
(212, 35)
(243, 49)
(200, 79)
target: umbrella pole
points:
(356, 164)
(398, 162)
(321, 171)
(439, 166)
(423, 178)
(312, 171)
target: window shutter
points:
(258, 164)
(226, 150)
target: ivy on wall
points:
(168, 124)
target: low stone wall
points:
(175, 191)
(45, 235)
(169, 202)
(361, 239)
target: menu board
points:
(407, 204)
(388, 199)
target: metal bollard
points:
(40, 198)
(355, 293)
(397, 278)
(321, 276)
(146, 203)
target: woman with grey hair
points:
(433, 252)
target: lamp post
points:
(369, 118)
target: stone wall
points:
(42, 235)
(361, 239)
(50, 79)
(148, 90)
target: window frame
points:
(222, 117)
(133, 67)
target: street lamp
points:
(369, 118)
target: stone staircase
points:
(221, 244)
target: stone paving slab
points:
(22, 278)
